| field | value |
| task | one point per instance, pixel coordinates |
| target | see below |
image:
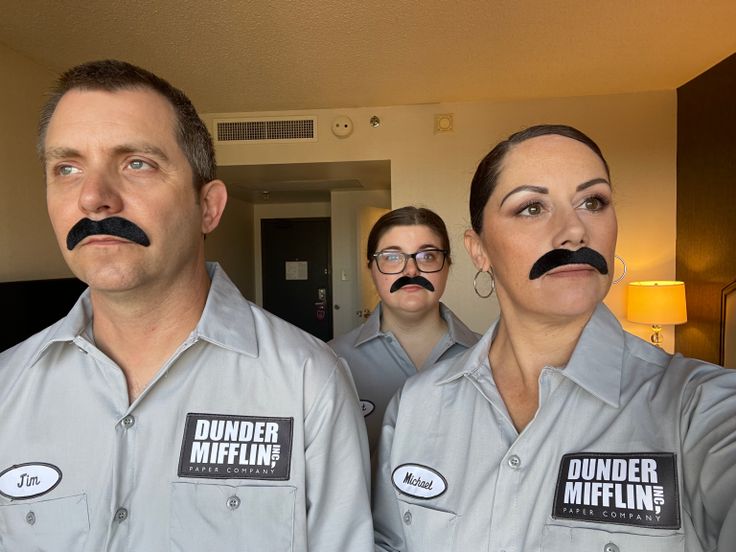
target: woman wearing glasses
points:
(558, 431)
(409, 257)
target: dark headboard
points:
(28, 307)
(728, 326)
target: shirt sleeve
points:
(708, 433)
(388, 531)
(337, 469)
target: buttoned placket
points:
(507, 526)
(439, 349)
(399, 354)
(125, 457)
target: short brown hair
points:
(111, 76)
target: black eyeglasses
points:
(394, 262)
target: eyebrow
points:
(543, 190)
(421, 248)
(60, 153)
(123, 149)
(148, 149)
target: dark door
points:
(296, 272)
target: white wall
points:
(231, 244)
(346, 258)
(28, 248)
(637, 133)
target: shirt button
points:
(121, 515)
(610, 547)
(128, 422)
(30, 518)
(407, 518)
(514, 462)
(233, 502)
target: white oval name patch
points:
(419, 481)
(29, 480)
(367, 407)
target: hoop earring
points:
(617, 280)
(493, 283)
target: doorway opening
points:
(296, 272)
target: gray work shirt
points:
(631, 449)
(248, 438)
(380, 365)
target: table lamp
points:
(657, 303)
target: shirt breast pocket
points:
(427, 528)
(58, 524)
(562, 538)
(226, 517)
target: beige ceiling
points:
(294, 182)
(264, 55)
(250, 55)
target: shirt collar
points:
(596, 363)
(371, 328)
(472, 360)
(69, 327)
(458, 332)
(227, 319)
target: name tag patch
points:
(236, 447)
(29, 480)
(419, 481)
(638, 489)
(366, 407)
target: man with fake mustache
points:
(165, 412)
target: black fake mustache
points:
(111, 226)
(411, 280)
(559, 257)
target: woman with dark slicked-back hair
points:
(408, 254)
(558, 431)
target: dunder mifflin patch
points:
(236, 447)
(628, 489)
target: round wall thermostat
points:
(342, 126)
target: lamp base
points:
(656, 337)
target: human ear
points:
(213, 198)
(474, 247)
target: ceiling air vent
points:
(269, 129)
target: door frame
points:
(328, 276)
(279, 211)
